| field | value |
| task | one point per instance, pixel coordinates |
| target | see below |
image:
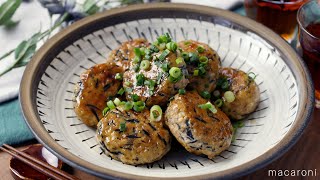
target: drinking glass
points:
(308, 18)
(278, 15)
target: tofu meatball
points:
(206, 80)
(124, 54)
(157, 87)
(96, 85)
(131, 138)
(246, 91)
(198, 130)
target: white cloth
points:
(32, 16)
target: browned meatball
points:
(206, 82)
(246, 91)
(137, 141)
(164, 88)
(198, 130)
(95, 87)
(124, 54)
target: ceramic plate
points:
(286, 92)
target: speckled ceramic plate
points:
(285, 85)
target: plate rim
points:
(306, 104)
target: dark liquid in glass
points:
(279, 16)
(311, 53)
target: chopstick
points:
(38, 165)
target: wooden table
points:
(303, 155)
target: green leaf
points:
(7, 10)
(27, 56)
(11, 23)
(93, 10)
(21, 49)
(6, 54)
(88, 4)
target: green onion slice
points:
(111, 105)
(165, 67)
(200, 49)
(138, 106)
(122, 126)
(229, 96)
(117, 101)
(140, 79)
(225, 85)
(179, 60)
(218, 103)
(185, 56)
(118, 76)
(208, 106)
(205, 94)
(196, 72)
(203, 60)
(121, 91)
(145, 64)
(128, 105)
(172, 46)
(182, 91)
(164, 54)
(162, 46)
(105, 110)
(135, 97)
(137, 52)
(193, 57)
(155, 113)
(175, 72)
(154, 48)
(216, 93)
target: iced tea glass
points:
(278, 15)
(308, 18)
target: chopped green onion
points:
(147, 57)
(164, 54)
(135, 97)
(229, 96)
(218, 103)
(150, 83)
(159, 77)
(147, 51)
(145, 64)
(138, 106)
(216, 93)
(165, 67)
(111, 105)
(205, 94)
(122, 126)
(175, 72)
(252, 76)
(179, 60)
(136, 59)
(128, 105)
(164, 38)
(140, 79)
(118, 76)
(202, 71)
(220, 81)
(174, 80)
(203, 60)
(142, 51)
(154, 48)
(193, 57)
(196, 72)
(155, 113)
(117, 101)
(137, 52)
(236, 125)
(182, 91)
(127, 83)
(185, 56)
(209, 106)
(105, 110)
(121, 91)
(225, 85)
(162, 46)
(172, 46)
(200, 49)
(136, 68)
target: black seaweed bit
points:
(200, 119)
(106, 87)
(189, 132)
(146, 132)
(133, 136)
(164, 141)
(94, 113)
(178, 126)
(97, 83)
(152, 126)
(133, 120)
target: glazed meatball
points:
(124, 54)
(97, 84)
(198, 130)
(246, 91)
(164, 88)
(203, 81)
(132, 138)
